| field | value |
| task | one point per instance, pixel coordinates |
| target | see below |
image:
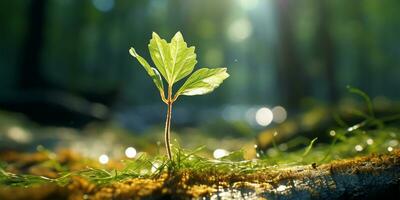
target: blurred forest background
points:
(66, 63)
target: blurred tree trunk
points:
(30, 70)
(291, 76)
(325, 50)
(362, 47)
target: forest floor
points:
(358, 160)
(365, 177)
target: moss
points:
(189, 183)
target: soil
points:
(366, 177)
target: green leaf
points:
(203, 81)
(364, 96)
(183, 58)
(161, 56)
(174, 60)
(153, 73)
(309, 147)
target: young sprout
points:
(174, 61)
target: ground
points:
(356, 178)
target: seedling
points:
(174, 61)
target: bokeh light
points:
(240, 30)
(19, 135)
(264, 116)
(279, 114)
(130, 152)
(103, 159)
(219, 153)
(332, 133)
(358, 148)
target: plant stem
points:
(167, 133)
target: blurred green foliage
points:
(273, 48)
